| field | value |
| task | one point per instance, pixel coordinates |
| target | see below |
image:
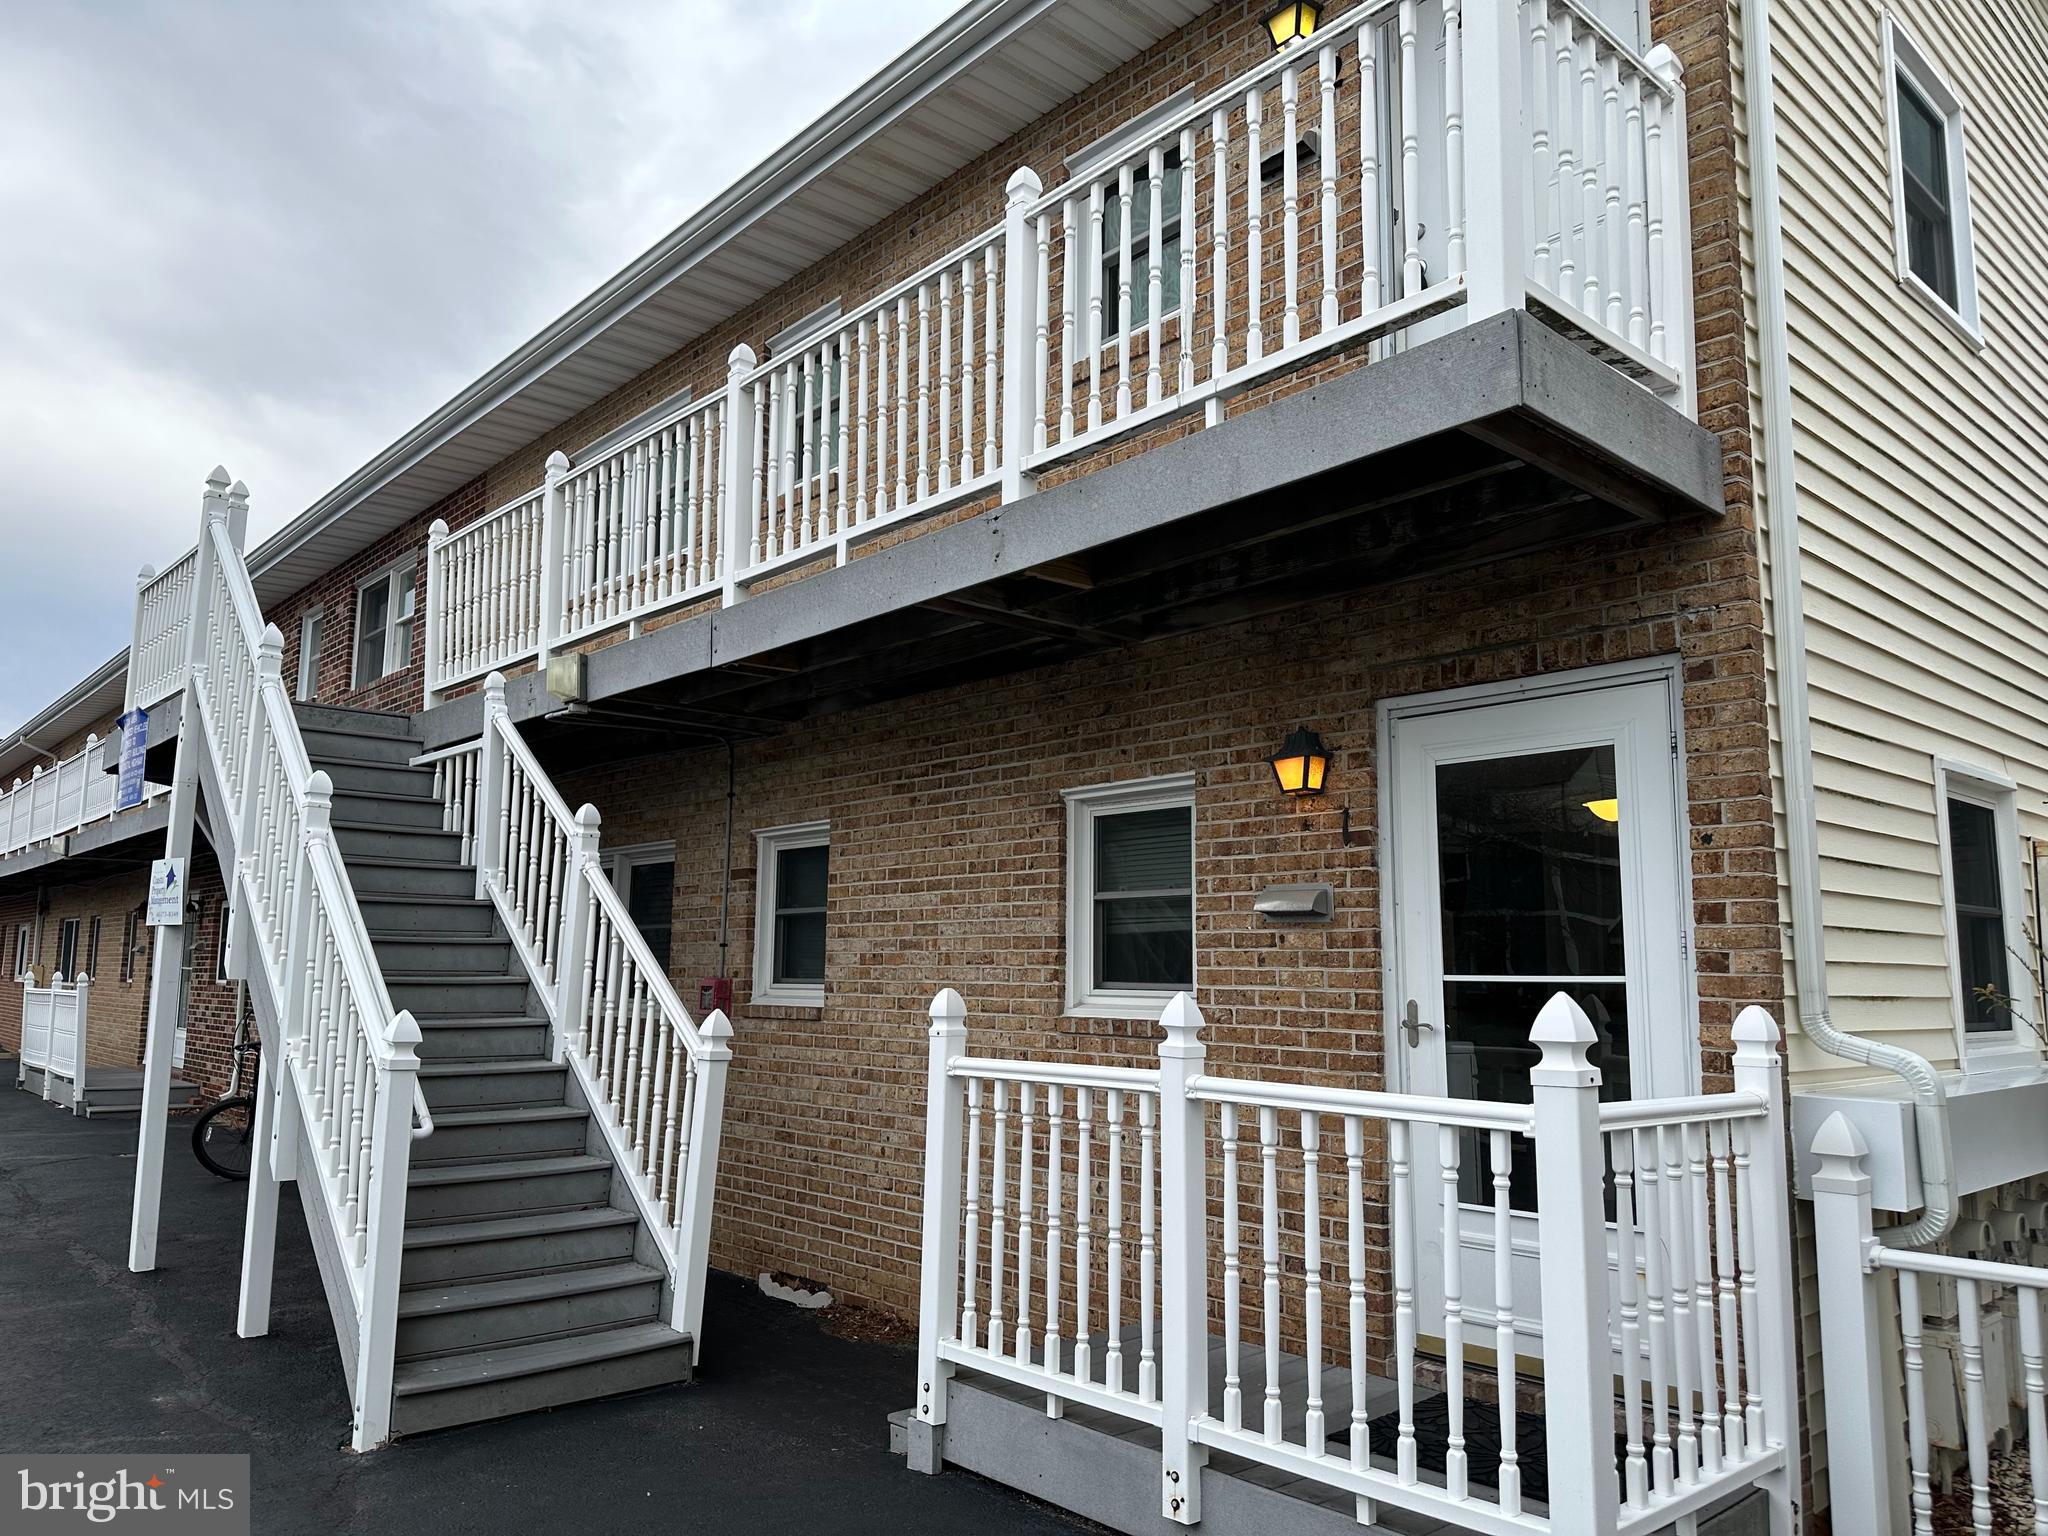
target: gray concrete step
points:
(492, 1384)
(443, 1320)
(379, 839)
(448, 1251)
(375, 876)
(324, 747)
(475, 1084)
(384, 913)
(482, 1037)
(436, 1192)
(389, 808)
(446, 996)
(443, 954)
(495, 1132)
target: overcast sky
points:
(276, 236)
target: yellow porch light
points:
(1301, 764)
(1291, 23)
(1606, 810)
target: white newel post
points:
(938, 1302)
(82, 992)
(1578, 1373)
(554, 547)
(1676, 179)
(570, 998)
(700, 1182)
(1768, 1214)
(1851, 1339)
(1183, 1267)
(1020, 297)
(1495, 130)
(737, 444)
(259, 1222)
(391, 1151)
(167, 960)
(143, 578)
(436, 621)
(490, 788)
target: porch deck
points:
(108, 1090)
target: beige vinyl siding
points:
(1923, 481)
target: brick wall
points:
(948, 858)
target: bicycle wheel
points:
(223, 1138)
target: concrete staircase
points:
(526, 1282)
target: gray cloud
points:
(276, 235)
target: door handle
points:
(1414, 1023)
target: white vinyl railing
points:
(654, 1078)
(53, 801)
(298, 932)
(1074, 1214)
(53, 1036)
(1934, 1364)
(158, 647)
(1413, 157)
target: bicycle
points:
(224, 1138)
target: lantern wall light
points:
(1302, 763)
(1292, 23)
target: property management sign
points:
(178, 1496)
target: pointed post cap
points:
(405, 1031)
(146, 575)
(1182, 1021)
(270, 648)
(1842, 1153)
(437, 531)
(948, 1013)
(1665, 65)
(587, 824)
(1755, 1029)
(1024, 185)
(714, 1032)
(557, 465)
(319, 801)
(1565, 1036)
(92, 739)
(238, 492)
(217, 482)
(742, 359)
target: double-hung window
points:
(789, 914)
(311, 624)
(92, 950)
(1930, 182)
(1130, 896)
(385, 608)
(67, 949)
(1110, 271)
(1991, 980)
(644, 875)
(134, 940)
(24, 949)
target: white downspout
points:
(1788, 621)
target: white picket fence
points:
(1082, 1225)
(299, 934)
(1414, 157)
(55, 800)
(1933, 1363)
(53, 1038)
(654, 1078)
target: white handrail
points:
(296, 928)
(654, 1078)
(1660, 1317)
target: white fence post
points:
(1758, 1070)
(81, 1014)
(938, 1308)
(1852, 1362)
(1677, 278)
(1183, 1264)
(391, 1143)
(700, 1182)
(1494, 211)
(490, 788)
(1020, 297)
(143, 578)
(1578, 1371)
(437, 624)
(737, 445)
(570, 998)
(554, 545)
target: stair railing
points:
(654, 1078)
(297, 930)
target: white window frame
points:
(1084, 999)
(768, 843)
(617, 866)
(1996, 792)
(393, 617)
(75, 929)
(24, 949)
(1908, 65)
(312, 624)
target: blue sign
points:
(134, 741)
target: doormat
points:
(1482, 1442)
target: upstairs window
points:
(1992, 982)
(789, 914)
(1930, 183)
(385, 608)
(310, 626)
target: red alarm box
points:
(714, 992)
